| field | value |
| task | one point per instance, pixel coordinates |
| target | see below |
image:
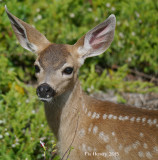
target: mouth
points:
(46, 99)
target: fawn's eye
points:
(37, 69)
(68, 70)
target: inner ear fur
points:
(97, 40)
(28, 36)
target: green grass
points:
(22, 122)
(135, 42)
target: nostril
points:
(41, 89)
(47, 88)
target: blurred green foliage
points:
(135, 41)
(22, 121)
(115, 81)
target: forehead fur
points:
(54, 56)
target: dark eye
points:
(37, 69)
(68, 70)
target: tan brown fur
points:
(126, 132)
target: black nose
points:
(45, 91)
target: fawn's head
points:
(57, 65)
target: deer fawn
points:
(95, 129)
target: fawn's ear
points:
(97, 40)
(28, 36)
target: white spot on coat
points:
(90, 128)
(97, 116)
(148, 155)
(143, 119)
(138, 119)
(115, 117)
(145, 145)
(89, 148)
(104, 137)
(101, 135)
(132, 119)
(154, 121)
(110, 116)
(141, 134)
(136, 144)
(126, 117)
(94, 115)
(127, 149)
(155, 149)
(120, 118)
(113, 133)
(149, 122)
(140, 154)
(104, 116)
(82, 132)
(95, 130)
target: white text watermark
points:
(102, 154)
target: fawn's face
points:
(57, 64)
(56, 71)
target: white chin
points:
(46, 99)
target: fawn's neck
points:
(64, 109)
